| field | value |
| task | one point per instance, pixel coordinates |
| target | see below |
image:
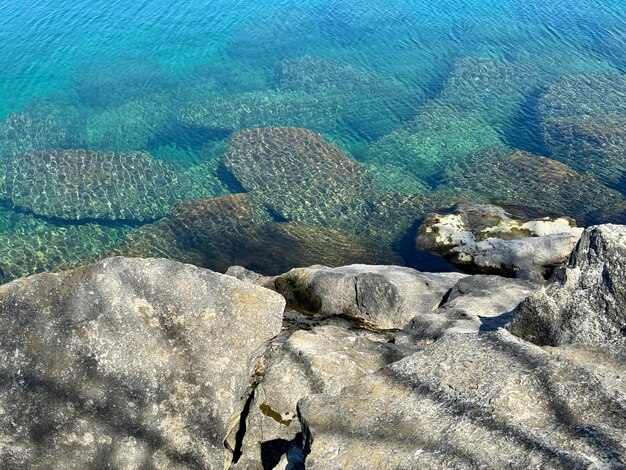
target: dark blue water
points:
(433, 100)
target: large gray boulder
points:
(384, 297)
(476, 303)
(322, 360)
(585, 300)
(127, 363)
(485, 238)
(472, 401)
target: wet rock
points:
(299, 176)
(108, 365)
(475, 304)
(322, 360)
(485, 238)
(523, 179)
(583, 118)
(82, 184)
(583, 303)
(384, 297)
(469, 401)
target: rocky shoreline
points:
(132, 363)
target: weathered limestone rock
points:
(322, 360)
(471, 401)
(384, 297)
(127, 363)
(485, 238)
(585, 300)
(475, 304)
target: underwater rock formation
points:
(371, 105)
(131, 126)
(523, 179)
(47, 247)
(110, 83)
(395, 216)
(584, 301)
(128, 363)
(484, 238)
(232, 230)
(278, 247)
(299, 176)
(584, 120)
(23, 132)
(322, 95)
(494, 89)
(82, 184)
(433, 140)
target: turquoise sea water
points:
(419, 104)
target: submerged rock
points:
(299, 176)
(485, 238)
(232, 230)
(82, 184)
(371, 105)
(432, 140)
(127, 363)
(584, 120)
(495, 89)
(523, 179)
(132, 126)
(584, 301)
(470, 401)
(383, 297)
(52, 248)
(23, 132)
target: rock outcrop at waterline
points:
(130, 363)
(485, 238)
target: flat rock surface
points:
(322, 360)
(471, 401)
(127, 363)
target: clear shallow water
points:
(432, 99)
